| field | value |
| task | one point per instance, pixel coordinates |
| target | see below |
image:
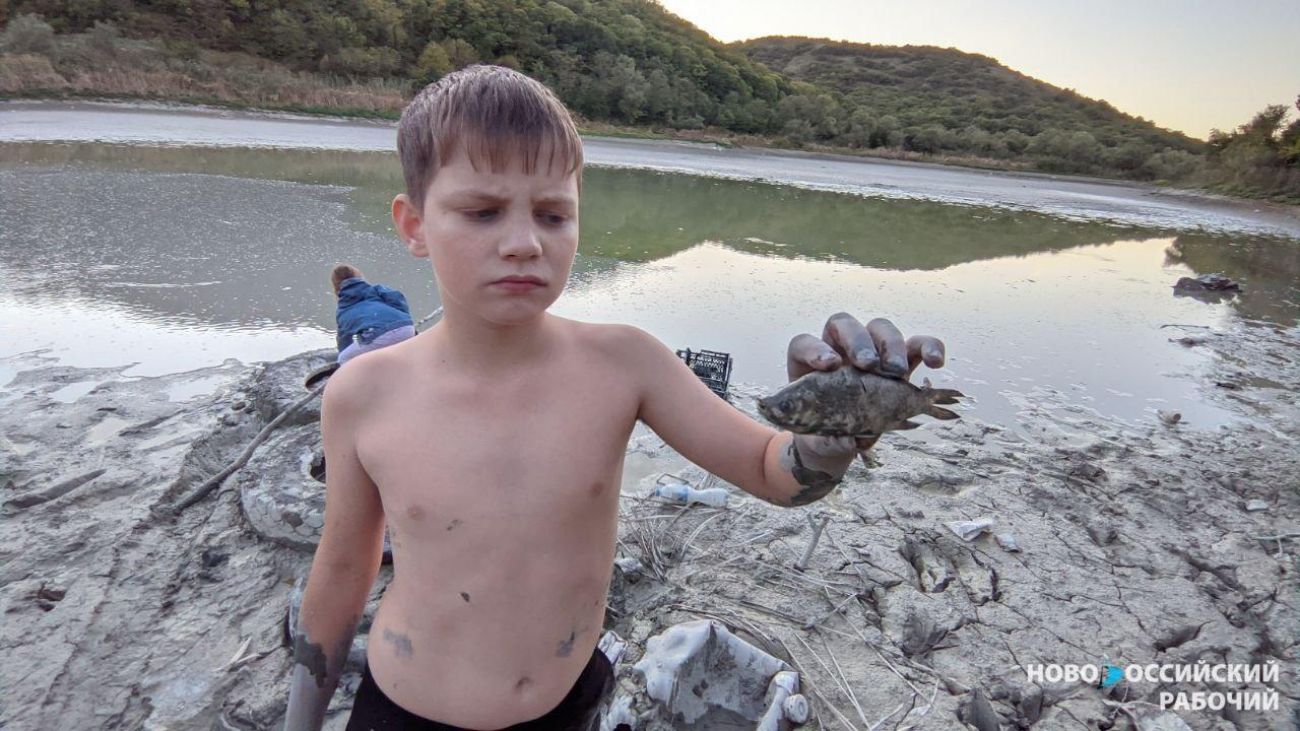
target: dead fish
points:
(850, 402)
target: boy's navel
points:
(415, 512)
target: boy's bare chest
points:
(516, 451)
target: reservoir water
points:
(169, 240)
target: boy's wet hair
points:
(493, 114)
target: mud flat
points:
(1137, 543)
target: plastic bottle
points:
(715, 497)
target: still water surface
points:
(174, 258)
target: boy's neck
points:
(474, 345)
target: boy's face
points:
(479, 227)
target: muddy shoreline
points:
(1135, 544)
(1082, 198)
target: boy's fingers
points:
(851, 340)
(890, 345)
(808, 353)
(925, 349)
(831, 446)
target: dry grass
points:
(79, 67)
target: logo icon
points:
(1110, 675)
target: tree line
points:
(630, 62)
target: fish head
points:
(791, 409)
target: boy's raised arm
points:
(346, 560)
(776, 466)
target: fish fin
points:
(945, 396)
(906, 425)
(940, 413)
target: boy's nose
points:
(521, 242)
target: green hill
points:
(937, 100)
(627, 63)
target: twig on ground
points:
(686, 544)
(428, 317)
(215, 481)
(852, 699)
(887, 716)
(817, 529)
(923, 710)
(848, 688)
(812, 623)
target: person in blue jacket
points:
(370, 316)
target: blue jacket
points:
(368, 311)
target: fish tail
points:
(941, 413)
(944, 396)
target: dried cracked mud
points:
(1136, 545)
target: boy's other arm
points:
(346, 560)
(779, 467)
(706, 429)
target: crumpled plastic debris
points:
(969, 530)
(696, 667)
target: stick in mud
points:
(817, 528)
(215, 481)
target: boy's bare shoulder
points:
(367, 378)
(623, 343)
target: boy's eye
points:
(554, 219)
(483, 214)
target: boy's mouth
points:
(519, 283)
(520, 279)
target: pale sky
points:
(1189, 65)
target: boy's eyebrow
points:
(488, 195)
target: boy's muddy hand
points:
(879, 348)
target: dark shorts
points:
(373, 710)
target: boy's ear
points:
(406, 219)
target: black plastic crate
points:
(712, 367)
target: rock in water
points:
(852, 403)
(1216, 282)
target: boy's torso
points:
(501, 497)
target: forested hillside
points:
(944, 100)
(626, 64)
(627, 61)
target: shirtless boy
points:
(492, 443)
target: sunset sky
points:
(1189, 65)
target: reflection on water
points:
(177, 258)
